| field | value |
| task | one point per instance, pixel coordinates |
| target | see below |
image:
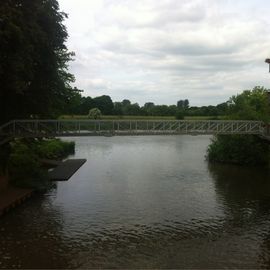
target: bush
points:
(24, 164)
(94, 113)
(180, 115)
(24, 168)
(54, 149)
(239, 149)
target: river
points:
(144, 202)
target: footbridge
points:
(63, 128)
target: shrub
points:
(24, 164)
(24, 168)
(54, 149)
(239, 149)
(179, 115)
(94, 113)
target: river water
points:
(144, 202)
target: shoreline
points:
(11, 197)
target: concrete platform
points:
(66, 169)
(12, 197)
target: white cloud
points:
(166, 50)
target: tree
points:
(33, 60)
(94, 113)
(180, 104)
(104, 103)
(186, 104)
(126, 102)
(132, 109)
(74, 102)
(222, 108)
(87, 104)
(250, 105)
(118, 108)
(183, 104)
(243, 149)
(161, 110)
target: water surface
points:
(144, 202)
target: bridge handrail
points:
(127, 120)
(54, 127)
(7, 124)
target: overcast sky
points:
(166, 50)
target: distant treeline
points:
(80, 105)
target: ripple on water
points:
(144, 202)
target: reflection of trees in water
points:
(242, 187)
(245, 194)
(31, 236)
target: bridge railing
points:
(54, 128)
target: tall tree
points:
(183, 104)
(33, 61)
(250, 105)
(118, 108)
(104, 103)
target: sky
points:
(162, 51)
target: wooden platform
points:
(66, 169)
(11, 197)
(50, 163)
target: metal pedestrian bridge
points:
(63, 128)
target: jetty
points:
(66, 169)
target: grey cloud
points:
(158, 51)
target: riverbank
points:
(3, 182)
(239, 150)
(12, 197)
(23, 171)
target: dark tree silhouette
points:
(33, 61)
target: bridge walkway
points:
(63, 128)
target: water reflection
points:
(244, 191)
(144, 202)
(245, 195)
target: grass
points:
(138, 117)
(220, 117)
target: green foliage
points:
(24, 168)
(118, 108)
(239, 149)
(180, 114)
(24, 164)
(53, 149)
(104, 104)
(79, 105)
(243, 149)
(250, 105)
(94, 113)
(33, 61)
(183, 104)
